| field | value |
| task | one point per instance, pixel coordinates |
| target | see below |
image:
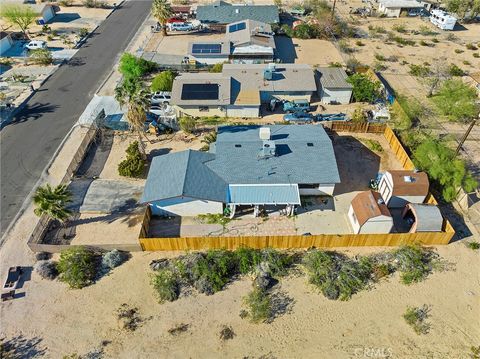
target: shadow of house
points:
(65, 17)
(285, 49)
(94, 162)
(357, 164)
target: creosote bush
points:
(77, 267)
(46, 269)
(187, 124)
(166, 285)
(416, 318)
(473, 245)
(259, 306)
(414, 262)
(113, 259)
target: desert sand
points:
(65, 321)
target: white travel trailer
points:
(442, 19)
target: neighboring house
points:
(46, 12)
(401, 187)
(246, 41)
(394, 8)
(221, 13)
(240, 90)
(248, 168)
(423, 217)
(333, 86)
(368, 213)
(6, 41)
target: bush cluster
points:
(77, 267)
(416, 318)
(134, 164)
(47, 269)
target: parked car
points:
(297, 11)
(161, 97)
(36, 45)
(179, 26)
(331, 117)
(296, 106)
(299, 117)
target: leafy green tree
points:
(77, 267)
(18, 15)
(464, 8)
(456, 100)
(162, 11)
(364, 89)
(439, 162)
(163, 81)
(131, 66)
(51, 202)
(305, 31)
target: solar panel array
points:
(237, 27)
(206, 48)
(200, 92)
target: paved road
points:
(30, 140)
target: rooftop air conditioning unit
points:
(264, 133)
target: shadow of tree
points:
(21, 347)
(281, 304)
(32, 112)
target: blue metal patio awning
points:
(262, 194)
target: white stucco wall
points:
(380, 224)
(185, 206)
(243, 111)
(210, 60)
(340, 96)
(353, 220)
(322, 190)
(390, 12)
(195, 111)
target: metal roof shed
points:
(425, 217)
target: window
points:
(308, 185)
(203, 108)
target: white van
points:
(36, 44)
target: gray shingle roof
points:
(183, 174)
(333, 77)
(295, 162)
(224, 13)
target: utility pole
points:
(474, 121)
(333, 8)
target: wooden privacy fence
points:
(321, 240)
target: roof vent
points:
(309, 144)
(380, 201)
(268, 149)
(237, 11)
(238, 145)
(408, 179)
(264, 133)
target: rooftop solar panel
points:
(206, 48)
(200, 92)
(237, 27)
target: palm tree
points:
(133, 94)
(51, 202)
(162, 11)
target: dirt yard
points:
(55, 321)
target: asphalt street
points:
(29, 141)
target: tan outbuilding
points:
(369, 214)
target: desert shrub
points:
(402, 41)
(336, 276)
(426, 31)
(247, 259)
(46, 269)
(42, 256)
(305, 31)
(373, 145)
(473, 245)
(424, 43)
(380, 57)
(458, 51)
(416, 318)
(476, 55)
(466, 62)
(178, 329)
(226, 333)
(471, 46)
(335, 64)
(278, 262)
(401, 28)
(381, 270)
(454, 70)
(435, 40)
(113, 259)
(259, 306)
(134, 164)
(163, 81)
(287, 30)
(128, 317)
(345, 47)
(95, 4)
(413, 262)
(77, 267)
(214, 218)
(359, 116)
(217, 68)
(65, 2)
(166, 286)
(364, 89)
(379, 66)
(420, 70)
(187, 124)
(213, 271)
(475, 352)
(41, 57)
(83, 32)
(353, 65)
(359, 43)
(50, 37)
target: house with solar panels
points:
(241, 89)
(246, 41)
(249, 169)
(221, 13)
